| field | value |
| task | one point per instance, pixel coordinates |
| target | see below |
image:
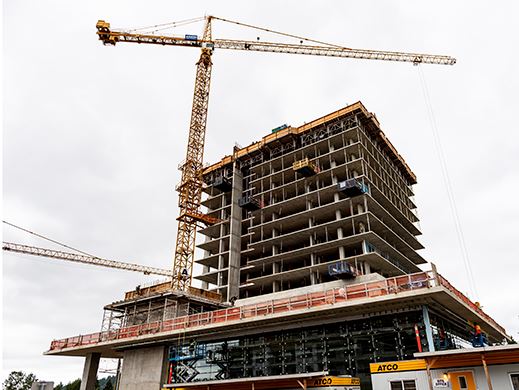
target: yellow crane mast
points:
(190, 187)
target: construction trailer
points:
(311, 270)
(484, 368)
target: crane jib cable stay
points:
(190, 187)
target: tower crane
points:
(83, 258)
(191, 185)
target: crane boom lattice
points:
(85, 259)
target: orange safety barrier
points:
(329, 297)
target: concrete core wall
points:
(144, 369)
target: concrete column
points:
(88, 381)
(233, 289)
(276, 285)
(428, 329)
(205, 285)
(221, 263)
(144, 368)
(342, 252)
(340, 233)
(313, 274)
(360, 208)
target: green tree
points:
(108, 385)
(18, 380)
(75, 385)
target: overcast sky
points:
(92, 137)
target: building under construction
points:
(310, 269)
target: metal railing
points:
(389, 286)
(445, 283)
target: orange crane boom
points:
(190, 187)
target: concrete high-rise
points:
(311, 269)
(303, 198)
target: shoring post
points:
(429, 376)
(487, 374)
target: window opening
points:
(408, 384)
(514, 378)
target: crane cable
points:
(47, 238)
(164, 26)
(448, 185)
(279, 33)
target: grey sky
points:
(93, 136)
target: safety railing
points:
(444, 282)
(389, 286)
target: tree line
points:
(18, 380)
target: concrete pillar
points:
(342, 252)
(233, 289)
(313, 274)
(88, 381)
(144, 368)
(340, 233)
(360, 208)
(276, 285)
(205, 285)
